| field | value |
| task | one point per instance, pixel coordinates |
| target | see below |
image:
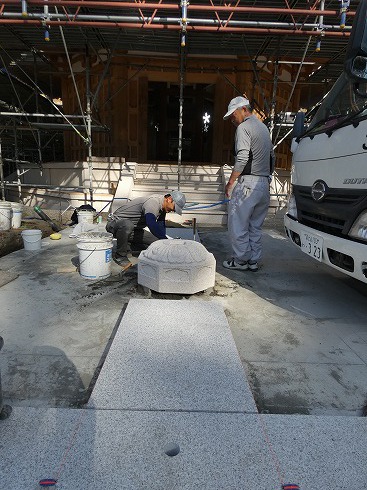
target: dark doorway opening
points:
(163, 119)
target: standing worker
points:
(254, 164)
(127, 223)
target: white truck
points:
(327, 210)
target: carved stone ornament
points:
(176, 266)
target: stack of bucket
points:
(6, 213)
(10, 215)
(16, 219)
(95, 254)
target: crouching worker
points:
(127, 223)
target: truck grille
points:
(335, 214)
(323, 223)
(342, 198)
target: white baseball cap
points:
(179, 199)
(235, 103)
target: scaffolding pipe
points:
(225, 29)
(321, 18)
(175, 7)
(38, 139)
(258, 81)
(294, 83)
(321, 28)
(16, 164)
(49, 187)
(37, 114)
(19, 161)
(284, 137)
(71, 70)
(2, 174)
(105, 70)
(89, 124)
(101, 80)
(176, 20)
(180, 119)
(58, 127)
(40, 91)
(273, 100)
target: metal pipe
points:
(258, 81)
(321, 18)
(273, 100)
(24, 8)
(46, 186)
(105, 71)
(194, 228)
(180, 119)
(127, 25)
(102, 78)
(176, 20)
(57, 126)
(183, 22)
(294, 83)
(40, 91)
(2, 174)
(89, 124)
(38, 114)
(284, 137)
(18, 161)
(321, 27)
(72, 76)
(36, 97)
(16, 164)
(176, 6)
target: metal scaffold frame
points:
(187, 18)
(21, 113)
(151, 20)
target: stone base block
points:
(177, 267)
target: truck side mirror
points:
(299, 125)
(358, 67)
(356, 56)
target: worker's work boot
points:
(121, 260)
(238, 266)
(253, 266)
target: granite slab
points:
(127, 450)
(171, 355)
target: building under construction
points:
(149, 82)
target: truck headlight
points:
(292, 206)
(359, 228)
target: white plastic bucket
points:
(16, 220)
(32, 239)
(85, 216)
(5, 215)
(95, 255)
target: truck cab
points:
(327, 210)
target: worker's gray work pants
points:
(247, 210)
(125, 233)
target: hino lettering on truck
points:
(362, 180)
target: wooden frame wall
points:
(123, 102)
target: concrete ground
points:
(299, 327)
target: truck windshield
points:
(346, 103)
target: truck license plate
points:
(312, 245)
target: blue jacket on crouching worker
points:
(127, 223)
